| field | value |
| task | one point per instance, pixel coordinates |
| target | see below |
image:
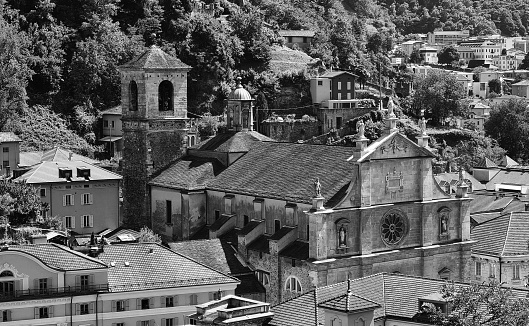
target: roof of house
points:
(454, 176)
(349, 302)
(48, 172)
(141, 266)
(299, 33)
(188, 173)
(233, 142)
(522, 83)
(59, 257)
(116, 110)
(396, 294)
(8, 136)
(155, 58)
(486, 163)
(513, 177)
(505, 235)
(506, 161)
(287, 171)
(52, 155)
(488, 202)
(332, 74)
(121, 235)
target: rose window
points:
(393, 228)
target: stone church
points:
(299, 215)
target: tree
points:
(19, 201)
(147, 235)
(495, 86)
(525, 62)
(479, 304)
(509, 125)
(448, 55)
(440, 95)
(415, 56)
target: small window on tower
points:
(133, 87)
(165, 96)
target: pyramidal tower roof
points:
(155, 58)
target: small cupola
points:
(240, 109)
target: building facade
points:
(10, 144)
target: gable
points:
(393, 146)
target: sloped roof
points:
(233, 142)
(486, 163)
(515, 177)
(451, 176)
(59, 257)
(505, 235)
(486, 202)
(522, 83)
(349, 302)
(188, 173)
(300, 311)
(292, 32)
(507, 161)
(52, 155)
(48, 172)
(332, 74)
(121, 233)
(8, 136)
(155, 58)
(116, 110)
(287, 171)
(152, 266)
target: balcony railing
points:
(52, 292)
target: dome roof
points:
(240, 93)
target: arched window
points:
(6, 274)
(293, 284)
(133, 92)
(165, 96)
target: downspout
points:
(97, 319)
(71, 309)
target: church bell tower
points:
(155, 125)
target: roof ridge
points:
(384, 293)
(506, 235)
(78, 254)
(294, 298)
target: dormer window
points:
(65, 173)
(83, 172)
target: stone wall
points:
(291, 131)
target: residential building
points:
(479, 112)
(500, 99)
(521, 88)
(507, 62)
(84, 195)
(428, 54)
(488, 50)
(10, 144)
(300, 38)
(409, 46)
(500, 251)
(449, 181)
(112, 131)
(522, 45)
(465, 52)
(447, 37)
(123, 284)
(57, 154)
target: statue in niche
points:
(342, 236)
(443, 223)
(317, 187)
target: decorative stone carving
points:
(13, 269)
(394, 146)
(394, 181)
(393, 227)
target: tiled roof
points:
(59, 257)
(485, 202)
(152, 266)
(260, 244)
(220, 222)
(188, 173)
(349, 302)
(53, 155)
(121, 234)
(503, 236)
(8, 136)
(155, 58)
(516, 177)
(332, 74)
(48, 172)
(287, 171)
(297, 250)
(451, 176)
(233, 142)
(506, 161)
(301, 33)
(300, 311)
(114, 111)
(282, 232)
(483, 217)
(214, 253)
(249, 285)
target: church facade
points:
(303, 216)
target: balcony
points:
(52, 292)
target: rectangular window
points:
(263, 277)
(67, 200)
(246, 220)
(84, 282)
(145, 304)
(348, 86)
(69, 222)
(217, 215)
(113, 124)
(338, 122)
(320, 82)
(168, 211)
(43, 285)
(121, 305)
(348, 96)
(516, 272)
(44, 312)
(339, 85)
(169, 301)
(277, 225)
(6, 315)
(5, 164)
(478, 268)
(87, 221)
(83, 309)
(5, 149)
(43, 192)
(193, 299)
(105, 123)
(144, 323)
(87, 199)
(192, 321)
(339, 96)
(492, 270)
(120, 324)
(168, 322)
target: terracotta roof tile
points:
(516, 177)
(505, 235)
(349, 302)
(291, 32)
(300, 311)
(287, 171)
(60, 257)
(152, 266)
(188, 173)
(48, 172)
(487, 202)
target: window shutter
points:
(162, 322)
(91, 280)
(64, 221)
(73, 200)
(175, 300)
(63, 200)
(36, 285)
(37, 315)
(73, 222)
(211, 296)
(50, 283)
(138, 304)
(82, 199)
(114, 307)
(77, 281)
(91, 218)
(77, 309)
(91, 199)
(126, 304)
(50, 311)
(138, 323)
(91, 307)
(175, 321)
(8, 315)
(151, 303)
(151, 322)
(162, 301)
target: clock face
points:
(393, 227)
